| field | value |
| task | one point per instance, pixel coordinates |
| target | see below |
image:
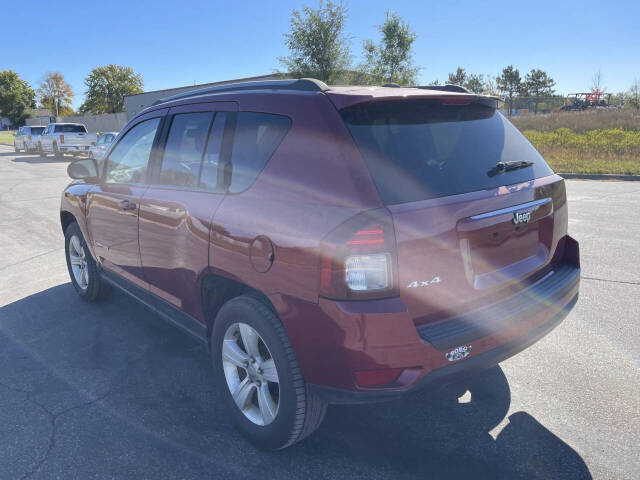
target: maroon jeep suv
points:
(331, 244)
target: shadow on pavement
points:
(109, 389)
(35, 158)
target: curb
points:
(599, 176)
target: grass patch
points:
(605, 150)
(580, 122)
(6, 139)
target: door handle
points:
(128, 205)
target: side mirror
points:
(85, 169)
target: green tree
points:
(317, 43)
(510, 84)
(538, 84)
(392, 60)
(16, 97)
(470, 81)
(56, 94)
(459, 77)
(106, 87)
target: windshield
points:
(423, 149)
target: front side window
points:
(129, 159)
(184, 149)
(257, 135)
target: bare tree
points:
(596, 82)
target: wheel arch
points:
(66, 219)
(216, 290)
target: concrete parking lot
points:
(110, 391)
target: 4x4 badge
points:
(424, 283)
(523, 217)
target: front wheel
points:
(83, 269)
(256, 367)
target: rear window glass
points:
(37, 130)
(423, 149)
(257, 135)
(70, 129)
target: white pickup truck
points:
(61, 138)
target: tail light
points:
(61, 138)
(358, 259)
(29, 138)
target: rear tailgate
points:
(465, 234)
(460, 253)
(69, 135)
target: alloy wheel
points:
(78, 260)
(251, 373)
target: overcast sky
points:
(176, 43)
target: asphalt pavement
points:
(108, 390)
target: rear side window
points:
(70, 129)
(257, 135)
(417, 150)
(184, 149)
(37, 130)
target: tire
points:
(40, 151)
(88, 284)
(298, 412)
(57, 153)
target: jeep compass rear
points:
(330, 244)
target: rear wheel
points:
(265, 392)
(40, 151)
(57, 153)
(82, 267)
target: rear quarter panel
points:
(314, 181)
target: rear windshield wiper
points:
(502, 167)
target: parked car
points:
(61, 138)
(27, 138)
(98, 150)
(329, 244)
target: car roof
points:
(341, 95)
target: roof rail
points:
(300, 84)
(446, 88)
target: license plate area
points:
(505, 244)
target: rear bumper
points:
(74, 148)
(452, 372)
(488, 336)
